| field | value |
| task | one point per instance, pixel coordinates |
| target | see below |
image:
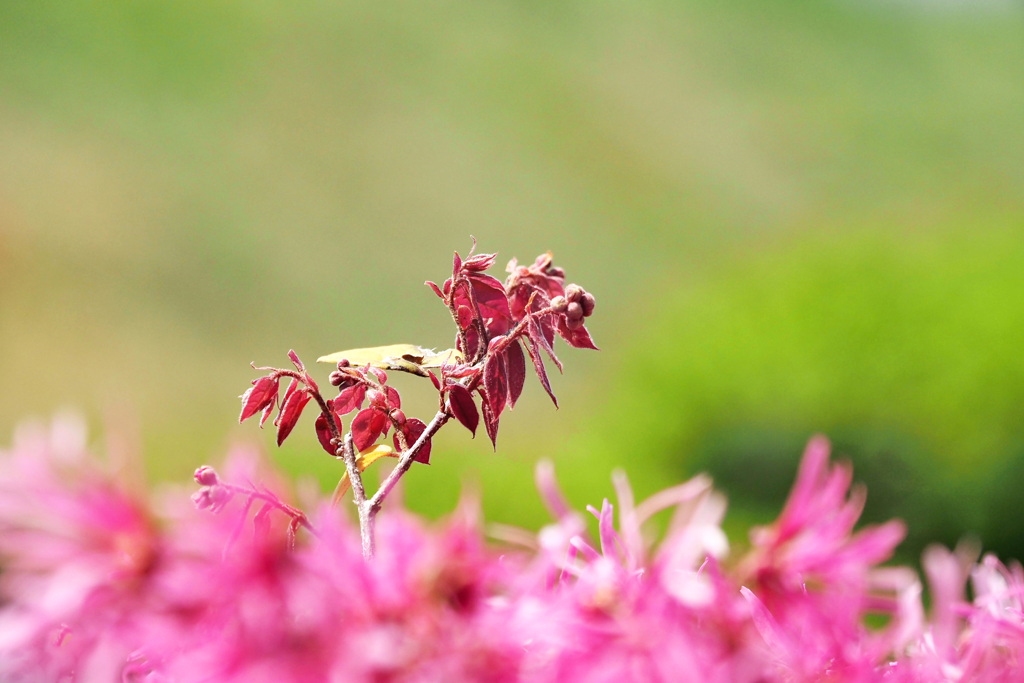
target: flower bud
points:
(587, 302)
(559, 303)
(573, 293)
(206, 476)
(573, 323)
(343, 363)
(574, 311)
(555, 271)
(336, 378)
(398, 417)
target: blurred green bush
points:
(904, 349)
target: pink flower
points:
(810, 579)
(239, 585)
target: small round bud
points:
(555, 271)
(398, 417)
(587, 302)
(573, 293)
(559, 303)
(343, 363)
(574, 311)
(574, 323)
(336, 378)
(206, 476)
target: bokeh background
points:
(798, 216)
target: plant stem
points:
(404, 463)
(358, 496)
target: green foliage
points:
(904, 349)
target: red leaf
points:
(268, 410)
(465, 314)
(540, 333)
(490, 423)
(258, 396)
(456, 265)
(515, 370)
(323, 433)
(294, 358)
(350, 398)
(290, 412)
(578, 338)
(413, 428)
(381, 376)
(433, 286)
(433, 379)
(538, 365)
(492, 301)
(367, 427)
(463, 407)
(496, 383)
(292, 386)
(393, 399)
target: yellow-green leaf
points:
(403, 357)
(365, 459)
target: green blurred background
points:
(797, 216)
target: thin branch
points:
(405, 462)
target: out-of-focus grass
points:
(186, 189)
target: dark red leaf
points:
(492, 301)
(464, 311)
(434, 380)
(463, 407)
(490, 423)
(541, 335)
(367, 427)
(515, 370)
(456, 265)
(496, 383)
(258, 396)
(350, 398)
(268, 410)
(578, 338)
(324, 434)
(393, 399)
(538, 365)
(292, 386)
(433, 286)
(294, 358)
(414, 427)
(381, 376)
(290, 412)
(460, 370)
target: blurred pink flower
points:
(97, 585)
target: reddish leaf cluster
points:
(368, 384)
(495, 320)
(498, 324)
(263, 397)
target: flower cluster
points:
(99, 585)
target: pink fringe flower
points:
(239, 585)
